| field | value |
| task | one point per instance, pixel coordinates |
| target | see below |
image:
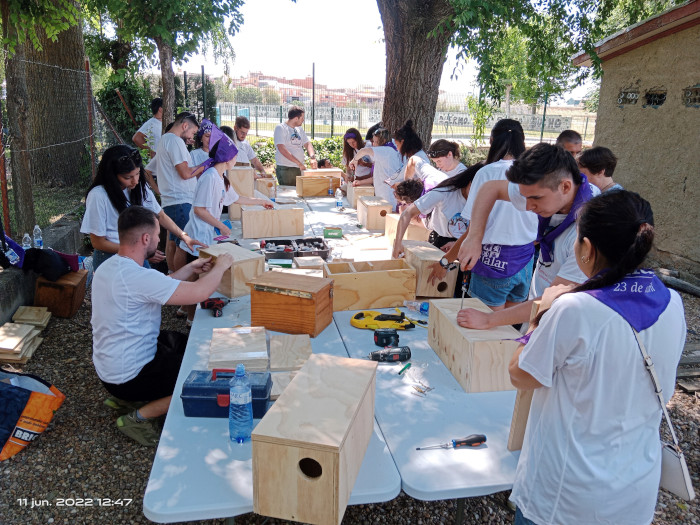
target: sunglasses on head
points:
(438, 153)
(134, 157)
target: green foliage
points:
(247, 95)
(330, 148)
(270, 97)
(628, 12)
(480, 112)
(265, 149)
(195, 99)
(591, 99)
(137, 94)
(27, 20)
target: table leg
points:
(459, 515)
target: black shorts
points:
(157, 378)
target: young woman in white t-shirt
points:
(120, 183)
(352, 143)
(591, 452)
(387, 161)
(212, 192)
(201, 143)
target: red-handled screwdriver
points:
(474, 440)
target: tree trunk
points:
(414, 61)
(165, 55)
(19, 126)
(57, 88)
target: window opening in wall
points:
(655, 97)
(691, 96)
(627, 96)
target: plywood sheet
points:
(242, 178)
(289, 352)
(371, 212)
(245, 345)
(312, 262)
(355, 192)
(421, 255)
(12, 335)
(414, 232)
(283, 221)
(280, 381)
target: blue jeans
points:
(180, 214)
(495, 292)
(522, 520)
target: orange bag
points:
(27, 406)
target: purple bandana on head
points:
(224, 152)
(640, 298)
(349, 135)
(204, 127)
(584, 194)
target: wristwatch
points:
(444, 262)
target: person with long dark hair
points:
(120, 183)
(591, 435)
(386, 160)
(352, 143)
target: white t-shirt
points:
(211, 194)
(591, 452)
(293, 139)
(198, 156)
(360, 171)
(386, 162)
(126, 303)
(446, 205)
(173, 188)
(245, 151)
(430, 175)
(101, 217)
(564, 263)
(152, 129)
(454, 171)
(505, 225)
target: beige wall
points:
(658, 149)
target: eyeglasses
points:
(438, 153)
(134, 157)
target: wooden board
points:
(27, 353)
(323, 172)
(316, 186)
(280, 381)
(312, 262)
(355, 192)
(323, 419)
(371, 284)
(64, 296)
(289, 352)
(30, 314)
(242, 179)
(12, 335)
(312, 272)
(371, 212)
(414, 232)
(245, 345)
(521, 410)
(283, 221)
(478, 359)
(246, 266)
(421, 255)
(267, 186)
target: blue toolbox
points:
(205, 393)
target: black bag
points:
(46, 263)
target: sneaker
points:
(122, 407)
(146, 432)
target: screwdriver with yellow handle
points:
(474, 440)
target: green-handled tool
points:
(474, 440)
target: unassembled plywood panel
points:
(317, 186)
(422, 255)
(243, 345)
(289, 352)
(266, 186)
(371, 284)
(35, 315)
(371, 212)
(414, 232)
(355, 192)
(243, 180)
(478, 359)
(283, 221)
(246, 266)
(313, 262)
(280, 381)
(12, 335)
(308, 448)
(26, 353)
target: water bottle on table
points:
(417, 306)
(38, 239)
(240, 413)
(26, 242)
(338, 199)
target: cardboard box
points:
(291, 303)
(317, 186)
(478, 359)
(62, 297)
(355, 192)
(246, 265)
(371, 284)
(421, 255)
(371, 212)
(414, 232)
(283, 221)
(308, 449)
(267, 186)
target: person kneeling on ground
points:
(137, 364)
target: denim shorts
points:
(520, 519)
(495, 292)
(180, 214)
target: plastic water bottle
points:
(240, 412)
(330, 186)
(338, 199)
(417, 306)
(38, 239)
(11, 255)
(26, 242)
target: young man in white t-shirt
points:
(137, 363)
(545, 179)
(290, 142)
(246, 153)
(149, 133)
(176, 179)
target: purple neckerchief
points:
(640, 298)
(498, 261)
(583, 195)
(391, 145)
(225, 151)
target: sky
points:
(343, 39)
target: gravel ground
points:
(82, 455)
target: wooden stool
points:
(63, 297)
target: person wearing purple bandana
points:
(592, 452)
(545, 180)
